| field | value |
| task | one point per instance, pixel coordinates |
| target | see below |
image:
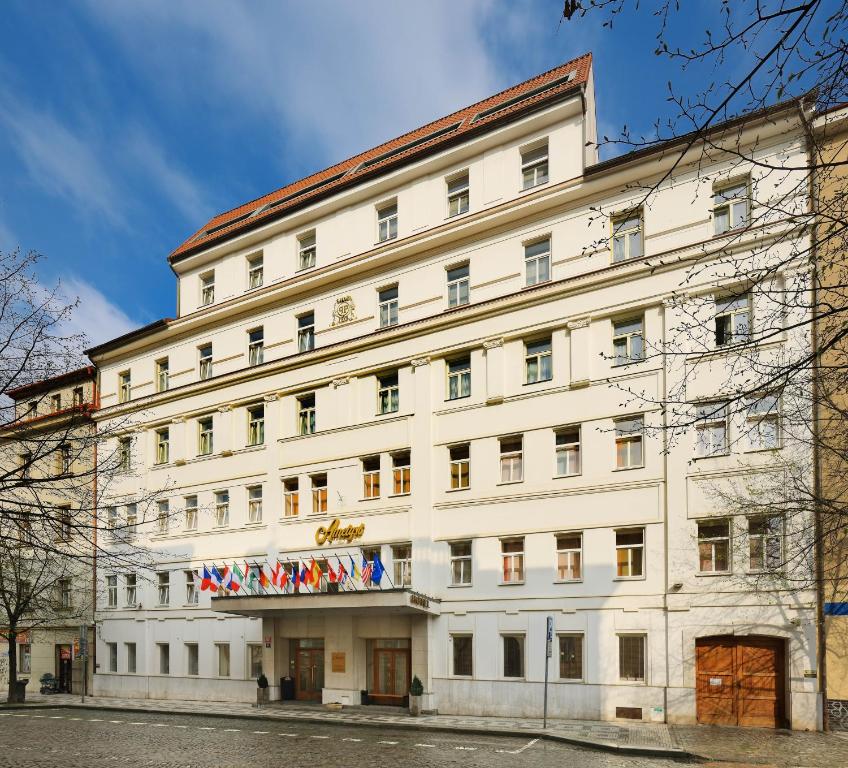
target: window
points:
(32, 407)
(306, 332)
(164, 658)
(163, 584)
(113, 656)
(537, 262)
(765, 543)
(162, 445)
(627, 343)
(111, 521)
(371, 477)
(387, 300)
(567, 451)
(538, 365)
(56, 402)
(290, 497)
(255, 271)
(631, 657)
(730, 207)
(571, 657)
(628, 442)
(207, 289)
(254, 660)
(569, 556)
(191, 594)
(131, 657)
(204, 436)
(460, 466)
(162, 514)
(223, 652)
(713, 546)
(401, 473)
(458, 194)
(732, 319)
(112, 591)
(25, 658)
(255, 346)
(191, 659)
(387, 221)
(763, 422)
(254, 504)
(630, 553)
(162, 375)
(130, 591)
(513, 655)
(534, 166)
(222, 509)
(205, 357)
(460, 561)
(306, 414)
(463, 655)
(78, 397)
(307, 251)
(190, 511)
(402, 561)
(64, 523)
(711, 429)
(256, 425)
(627, 236)
(512, 556)
(124, 387)
(63, 459)
(65, 594)
(458, 286)
(132, 521)
(25, 464)
(319, 493)
(388, 393)
(512, 450)
(459, 378)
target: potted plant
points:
(416, 691)
(261, 690)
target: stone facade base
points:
(837, 714)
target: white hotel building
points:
(430, 341)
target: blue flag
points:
(377, 570)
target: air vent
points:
(524, 96)
(629, 713)
(411, 145)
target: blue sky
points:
(125, 125)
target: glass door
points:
(309, 670)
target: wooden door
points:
(309, 674)
(740, 681)
(391, 675)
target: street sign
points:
(549, 635)
(549, 643)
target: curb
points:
(671, 753)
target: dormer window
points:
(307, 251)
(534, 166)
(207, 289)
(255, 271)
(731, 204)
(387, 221)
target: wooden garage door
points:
(740, 681)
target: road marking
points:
(138, 723)
(319, 737)
(57, 717)
(351, 739)
(425, 745)
(90, 719)
(206, 728)
(387, 742)
(261, 731)
(74, 718)
(180, 726)
(288, 734)
(39, 715)
(470, 749)
(517, 751)
(232, 730)
(116, 721)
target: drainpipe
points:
(665, 509)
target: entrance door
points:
(740, 681)
(309, 669)
(391, 676)
(64, 670)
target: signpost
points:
(549, 645)
(83, 652)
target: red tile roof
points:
(428, 138)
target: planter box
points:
(261, 696)
(415, 705)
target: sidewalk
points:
(633, 738)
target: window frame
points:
(387, 218)
(622, 230)
(192, 664)
(458, 188)
(454, 636)
(255, 425)
(291, 497)
(124, 386)
(307, 250)
(569, 550)
(629, 358)
(370, 477)
(163, 589)
(306, 414)
(728, 205)
(455, 285)
(629, 438)
(255, 266)
(643, 637)
(205, 435)
(630, 548)
(535, 260)
(458, 370)
(204, 362)
(162, 374)
(729, 314)
(764, 537)
(458, 463)
(401, 473)
(388, 305)
(190, 513)
(221, 500)
(505, 454)
(714, 542)
(568, 449)
(130, 590)
(755, 419)
(111, 582)
(163, 445)
(522, 638)
(388, 393)
(581, 637)
(462, 560)
(535, 158)
(319, 493)
(509, 559)
(402, 566)
(256, 346)
(710, 416)
(207, 288)
(539, 352)
(164, 654)
(254, 503)
(192, 594)
(305, 328)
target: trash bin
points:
(20, 690)
(287, 688)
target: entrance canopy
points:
(390, 601)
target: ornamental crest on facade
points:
(344, 311)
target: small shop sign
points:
(334, 532)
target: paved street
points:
(70, 738)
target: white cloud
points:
(95, 316)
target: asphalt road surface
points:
(92, 738)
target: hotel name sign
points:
(334, 532)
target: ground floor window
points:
(462, 655)
(24, 658)
(113, 656)
(164, 658)
(223, 651)
(254, 660)
(131, 662)
(571, 657)
(631, 657)
(191, 659)
(513, 655)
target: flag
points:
(316, 573)
(354, 569)
(206, 580)
(275, 574)
(295, 576)
(377, 570)
(331, 574)
(284, 578)
(263, 577)
(236, 578)
(304, 575)
(342, 572)
(251, 577)
(366, 571)
(216, 577)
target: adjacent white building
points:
(432, 343)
